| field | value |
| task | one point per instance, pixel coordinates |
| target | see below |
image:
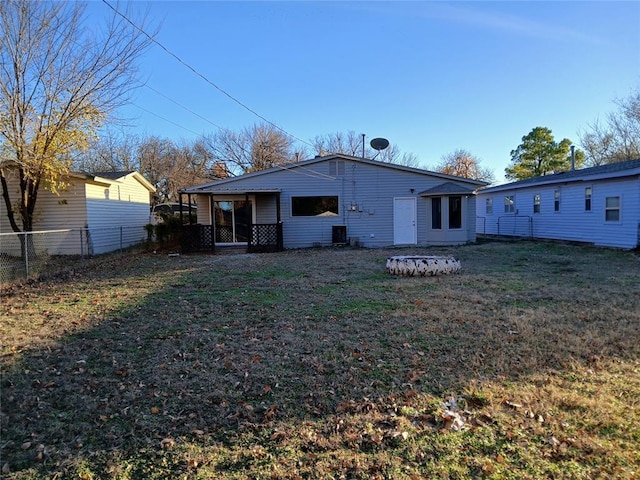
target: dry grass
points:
(317, 364)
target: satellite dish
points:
(379, 143)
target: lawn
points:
(318, 364)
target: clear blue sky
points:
(432, 77)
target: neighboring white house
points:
(96, 213)
(598, 205)
(335, 199)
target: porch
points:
(235, 220)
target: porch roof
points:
(447, 188)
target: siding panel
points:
(369, 188)
(572, 222)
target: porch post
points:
(180, 200)
(250, 215)
(188, 200)
(212, 221)
(279, 223)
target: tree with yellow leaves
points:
(59, 82)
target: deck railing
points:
(263, 237)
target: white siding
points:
(116, 215)
(14, 192)
(67, 210)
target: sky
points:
(431, 77)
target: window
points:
(587, 199)
(612, 209)
(556, 200)
(336, 167)
(489, 206)
(314, 206)
(536, 203)
(455, 211)
(509, 204)
(436, 213)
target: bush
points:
(167, 232)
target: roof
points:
(112, 175)
(611, 170)
(447, 188)
(305, 167)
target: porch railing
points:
(197, 238)
(263, 237)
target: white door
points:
(404, 221)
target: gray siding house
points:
(335, 199)
(598, 205)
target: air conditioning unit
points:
(339, 234)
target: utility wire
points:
(183, 106)
(166, 119)
(301, 170)
(201, 75)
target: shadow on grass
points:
(159, 355)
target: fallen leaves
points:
(167, 443)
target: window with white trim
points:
(587, 199)
(489, 206)
(556, 200)
(612, 209)
(436, 213)
(455, 212)
(536, 203)
(509, 204)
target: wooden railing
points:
(263, 237)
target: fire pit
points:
(422, 266)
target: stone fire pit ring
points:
(422, 266)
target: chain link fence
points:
(29, 255)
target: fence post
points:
(26, 254)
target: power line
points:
(301, 170)
(183, 106)
(166, 119)
(176, 57)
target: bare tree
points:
(111, 152)
(393, 154)
(462, 163)
(168, 165)
(156, 158)
(353, 144)
(349, 143)
(255, 148)
(58, 82)
(617, 138)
